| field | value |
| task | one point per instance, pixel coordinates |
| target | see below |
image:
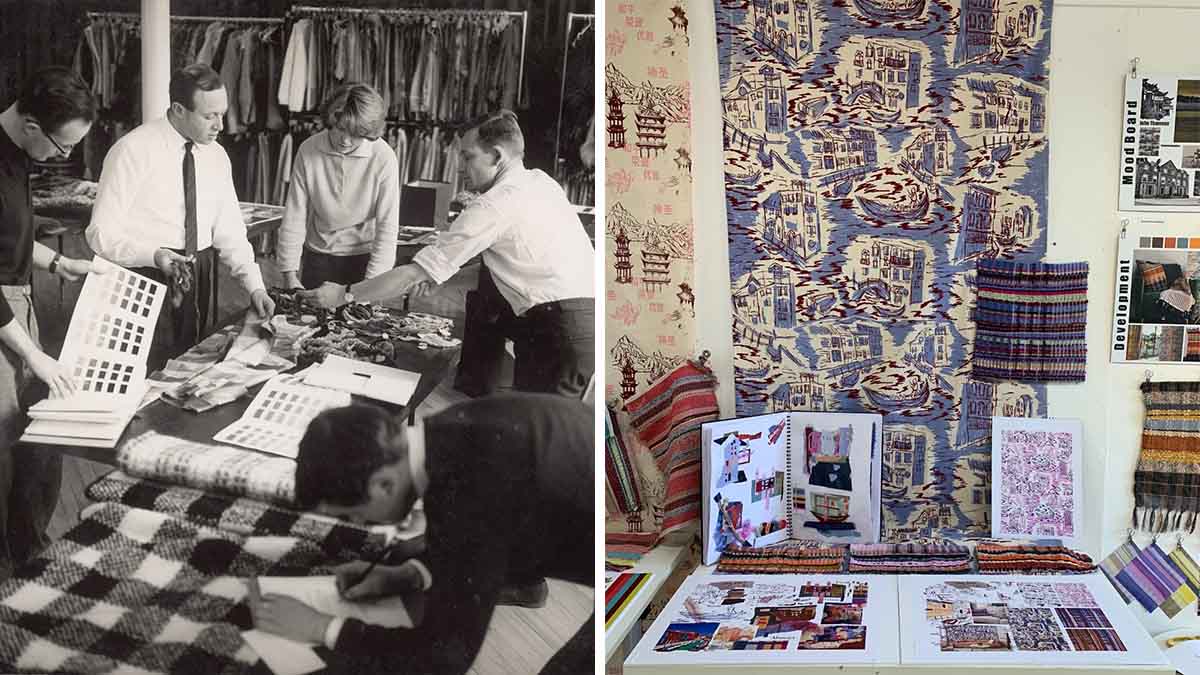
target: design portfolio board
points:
(746, 621)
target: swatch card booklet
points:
(791, 475)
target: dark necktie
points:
(189, 199)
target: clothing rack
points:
(224, 19)
(433, 13)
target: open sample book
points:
(794, 475)
(106, 348)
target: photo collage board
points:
(1005, 619)
(1160, 144)
(775, 619)
(1156, 315)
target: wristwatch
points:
(347, 296)
(54, 263)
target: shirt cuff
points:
(436, 264)
(426, 576)
(333, 630)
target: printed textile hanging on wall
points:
(875, 151)
(649, 302)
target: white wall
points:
(1092, 44)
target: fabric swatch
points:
(785, 559)
(1155, 582)
(619, 473)
(910, 558)
(1116, 561)
(1030, 320)
(1017, 558)
(667, 417)
(1166, 482)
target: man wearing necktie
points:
(166, 208)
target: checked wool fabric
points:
(1166, 483)
(910, 558)
(234, 471)
(786, 559)
(1006, 558)
(1030, 320)
(667, 418)
(131, 590)
(340, 540)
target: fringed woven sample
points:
(241, 473)
(785, 559)
(1030, 320)
(910, 558)
(1154, 581)
(339, 539)
(1166, 483)
(667, 418)
(131, 590)
(1015, 558)
(1117, 561)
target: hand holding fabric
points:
(328, 295)
(262, 304)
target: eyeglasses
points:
(64, 151)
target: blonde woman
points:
(343, 207)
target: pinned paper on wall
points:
(1036, 472)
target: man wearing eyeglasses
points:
(166, 208)
(52, 114)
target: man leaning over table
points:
(535, 247)
(166, 208)
(52, 114)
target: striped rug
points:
(1166, 483)
(1030, 320)
(667, 418)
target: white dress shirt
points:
(342, 204)
(531, 239)
(140, 208)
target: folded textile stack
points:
(623, 556)
(242, 473)
(910, 558)
(785, 559)
(1016, 558)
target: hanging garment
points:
(294, 79)
(247, 103)
(231, 68)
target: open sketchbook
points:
(794, 475)
(105, 350)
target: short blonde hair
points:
(499, 128)
(355, 109)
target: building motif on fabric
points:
(650, 301)
(874, 153)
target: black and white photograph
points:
(297, 336)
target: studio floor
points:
(518, 641)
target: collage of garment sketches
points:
(1019, 619)
(783, 618)
(874, 153)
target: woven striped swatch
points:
(1166, 482)
(621, 592)
(1155, 582)
(1187, 567)
(1115, 562)
(910, 558)
(667, 418)
(1030, 320)
(1006, 558)
(787, 559)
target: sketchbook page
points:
(835, 476)
(1036, 474)
(1011, 620)
(108, 339)
(279, 415)
(749, 620)
(371, 380)
(745, 484)
(321, 594)
(283, 656)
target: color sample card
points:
(1156, 312)
(1014, 619)
(279, 415)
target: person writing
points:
(53, 112)
(343, 206)
(534, 246)
(507, 488)
(166, 208)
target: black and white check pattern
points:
(134, 591)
